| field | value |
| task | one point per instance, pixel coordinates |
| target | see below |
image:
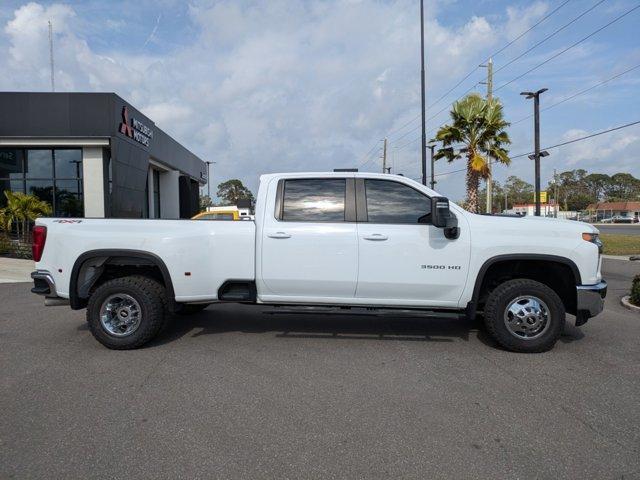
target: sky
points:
(289, 85)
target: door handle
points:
(376, 237)
(279, 235)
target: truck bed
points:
(199, 255)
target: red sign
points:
(125, 128)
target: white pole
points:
(53, 84)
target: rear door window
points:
(314, 200)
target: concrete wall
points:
(93, 182)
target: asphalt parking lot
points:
(234, 392)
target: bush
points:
(5, 244)
(14, 248)
(635, 291)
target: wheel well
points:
(92, 269)
(557, 275)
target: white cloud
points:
(267, 86)
(620, 146)
(520, 19)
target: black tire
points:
(190, 308)
(501, 298)
(149, 295)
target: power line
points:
(432, 117)
(461, 81)
(452, 171)
(582, 92)
(553, 34)
(391, 132)
(525, 73)
(619, 17)
(586, 137)
(529, 29)
(516, 58)
(364, 158)
(580, 139)
(579, 93)
(501, 50)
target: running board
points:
(361, 311)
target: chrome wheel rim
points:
(120, 314)
(527, 317)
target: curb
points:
(626, 258)
(628, 305)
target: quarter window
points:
(314, 200)
(393, 202)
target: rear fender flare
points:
(77, 301)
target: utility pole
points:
(537, 153)
(384, 157)
(433, 163)
(424, 130)
(489, 83)
(555, 193)
(53, 85)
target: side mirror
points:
(440, 212)
(441, 217)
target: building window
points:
(53, 175)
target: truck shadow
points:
(256, 319)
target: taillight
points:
(39, 239)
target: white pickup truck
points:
(324, 241)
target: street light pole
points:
(537, 153)
(424, 131)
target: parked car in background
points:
(621, 219)
(218, 215)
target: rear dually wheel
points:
(126, 313)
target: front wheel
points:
(524, 316)
(125, 313)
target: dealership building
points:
(95, 155)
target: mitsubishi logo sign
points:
(135, 128)
(125, 128)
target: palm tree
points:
(22, 209)
(479, 125)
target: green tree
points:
(22, 209)
(573, 190)
(205, 202)
(233, 190)
(497, 197)
(517, 191)
(479, 125)
(596, 184)
(623, 187)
